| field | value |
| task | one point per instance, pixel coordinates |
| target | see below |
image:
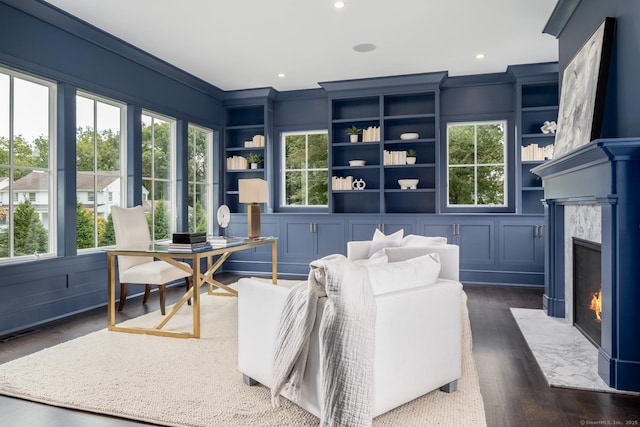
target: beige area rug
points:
(195, 382)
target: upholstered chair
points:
(132, 232)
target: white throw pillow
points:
(415, 240)
(407, 274)
(380, 241)
(378, 258)
(404, 253)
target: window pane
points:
(491, 185)
(461, 186)
(318, 188)
(197, 213)
(161, 217)
(4, 119)
(31, 124)
(31, 219)
(295, 152)
(147, 152)
(318, 151)
(161, 149)
(295, 190)
(108, 137)
(491, 143)
(85, 146)
(461, 145)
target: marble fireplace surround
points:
(593, 192)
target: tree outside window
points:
(200, 186)
(305, 173)
(476, 167)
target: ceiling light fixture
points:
(480, 56)
(282, 75)
(364, 47)
(338, 4)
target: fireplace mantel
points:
(605, 172)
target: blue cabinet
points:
(522, 243)
(475, 238)
(310, 238)
(363, 229)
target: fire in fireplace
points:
(587, 289)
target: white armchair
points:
(418, 334)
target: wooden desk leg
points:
(197, 281)
(274, 262)
(111, 291)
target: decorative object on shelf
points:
(533, 152)
(237, 162)
(408, 184)
(395, 158)
(548, 127)
(357, 162)
(254, 159)
(353, 133)
(223, 216)
(341, 183)
(409, 136)
(359, 184)
(253, 191)
(411, 157)
(371, 134)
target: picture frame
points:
(582, 98)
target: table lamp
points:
(253, 191)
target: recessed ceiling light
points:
(338, 4)
(364, 47)
(480, 56)
(281, 75)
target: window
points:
(99, 148)
(305, 173)
(200, 185)
(27, 189)
(476, 168)
(158, 147)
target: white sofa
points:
(417, 336)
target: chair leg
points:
(123, 295)
(147, 290)
(187, 281)
(162, 299)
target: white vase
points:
(254, 166)
(411, 160)
(353, 138)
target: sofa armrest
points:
(259, 308)
(358, 249)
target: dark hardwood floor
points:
(513, 388)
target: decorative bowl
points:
(409, 135)
(408, 184)
(357, 162)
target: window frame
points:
(208, 183)
(283, 207)
(507, 164)
(51, 213)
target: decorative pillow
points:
(377, 258)
(407, 274)
(380, 241)
(415, 240)
(404, 253)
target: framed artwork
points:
(584, 84)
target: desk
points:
(161, 251)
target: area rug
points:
(195, 382)
(566, 358)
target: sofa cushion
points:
(414, 272)
(380, 241)
(415, 240)
(403, 253)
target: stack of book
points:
(237, 162)
(189, 242)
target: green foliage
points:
(306, 175)
(156, 150)
(84, 227)
(162, 220)
(108, 150)
(30, 236)
(31, 154)
(200, 222)
(108, 237)
(254, 158)
(411, 153)
(353, 130)
(476, 164)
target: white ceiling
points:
(240, 44)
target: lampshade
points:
(253, 190)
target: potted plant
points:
(254, 159)
(411, 157)
(353, 133)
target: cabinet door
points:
(521, 244)
(330, 238)
(298, 240)
(440, 229)
(476, 240)
(363, 229)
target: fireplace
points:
(587, 289)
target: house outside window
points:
(476, 164)
(158, 172)
(27, 154)
(305, 175)
(200, 179)
(99, 150)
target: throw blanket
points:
(346, 333)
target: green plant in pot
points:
(353, 133)
(411, 157)
(254, 159)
